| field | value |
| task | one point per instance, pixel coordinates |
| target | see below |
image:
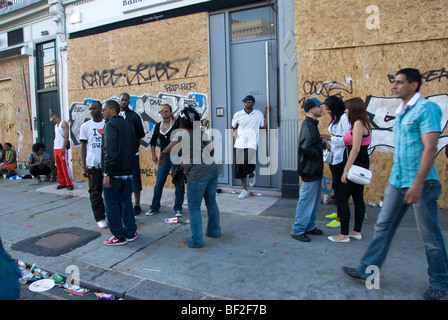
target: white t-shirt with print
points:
(92, 134)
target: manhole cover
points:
(56, 242)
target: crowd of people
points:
(413, 181)
(109, 157)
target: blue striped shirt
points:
(418, 117)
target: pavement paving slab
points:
(255, 259)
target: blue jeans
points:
(121, 222)
(162, 173)
(197, 189)
(426, 216)
(307, 205)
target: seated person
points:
(9, 163)
(39, 162)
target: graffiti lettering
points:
(148, 172)
(139, 74)
(147, 106)
(183, 86)
(328, 88)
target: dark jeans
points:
(162, 174)
(119, 211)
(96, 193)
(40, 170)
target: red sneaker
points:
(135, 236)
(114, 242)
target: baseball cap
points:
(249, 98)
(311, 103)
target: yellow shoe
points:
(334, 224)
(334, 215)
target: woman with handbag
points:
(357, 141)
(338, 128)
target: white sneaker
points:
(243, 194)
(102, 224)
(252, 181)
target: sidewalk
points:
(255, 259)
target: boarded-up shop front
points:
(15, 113)
(155, 62)
(354, 49)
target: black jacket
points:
(311, 163)
(120, 144)
(136, 122)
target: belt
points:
(95, 167)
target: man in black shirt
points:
(136, 122)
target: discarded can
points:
(171, 220)
(255, 194)
(232, 192)
(325, 198)
(44, 274)
(373, 205)
(58, 279)
(105, 296)
(39, 273)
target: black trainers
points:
(353, 274)
(137, 210)
(70, 187)
(60, 187)
(301, 237)
(434, 294)
(315, 231)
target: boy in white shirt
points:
(91, 142)
(245, 125)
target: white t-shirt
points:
(248, 125)
(58, 142)
(92, 134)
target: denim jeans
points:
(198, 189)
(307, 205)
(162, 174)
(426, 216)
(121, 222)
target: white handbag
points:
(328, 156)
(359, 175)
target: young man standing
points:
(91, 139)
(61, 134)
(245, 126)
(136, 122)
(310, 167)
(413, 182)
(118, 152)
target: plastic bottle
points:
(26, 275)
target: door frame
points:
(226, 170)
